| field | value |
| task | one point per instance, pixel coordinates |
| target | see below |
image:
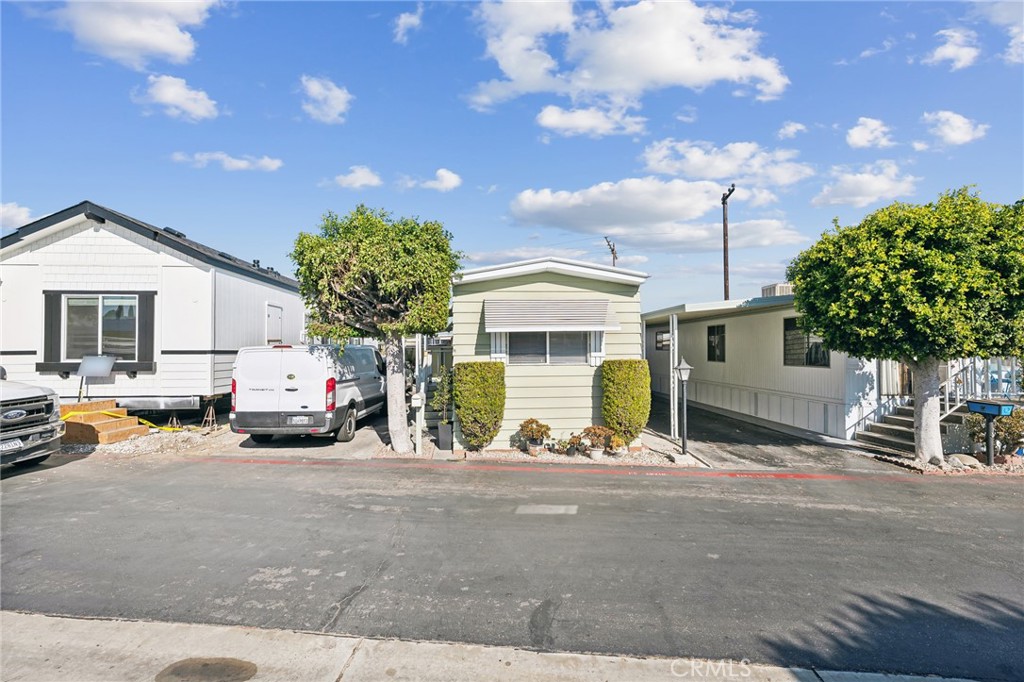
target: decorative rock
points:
(936, 461)
(965, 460)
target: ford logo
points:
(14, 415)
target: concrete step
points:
(895, 430)
(905, 410)
(885, 441)
(908, 422)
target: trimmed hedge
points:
(479, 401)
(626, 403)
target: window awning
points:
(549, 316)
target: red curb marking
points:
(616, 471)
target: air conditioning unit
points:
(778, 289)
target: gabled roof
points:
(562, 266)
(171, 238)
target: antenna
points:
(611, 247)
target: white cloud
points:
(227, 162)
(619, 52)
(408, 21)
(790, 129)
(648, 214)
(358, 177)
(1010, 17)
(591, 121)
(326, 102)
(688, 114)
(887, 45)
(133, 33)
(869, 132)
(177, 99)
(13, 216)
(522, 253)
(742, 162)
(919, 146)
(959, 49)
(631, 260)
(444, 181)
(876, 182)
(952, 128)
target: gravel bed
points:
(645, 457)
(156, 442)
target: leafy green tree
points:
(368, 274)
(922, 285)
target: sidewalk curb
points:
(57, 648)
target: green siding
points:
(566, 397)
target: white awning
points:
(549, 316)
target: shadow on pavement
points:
(982, 639)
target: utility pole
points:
(611, 247)
(725, 235)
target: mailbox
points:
(417, 401)
(990, 408)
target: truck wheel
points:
(347, 430)
(31, 462)
(261, 438)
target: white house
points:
(88, 280)
(750, 360)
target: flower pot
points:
(596, 453)
(444, 436)
(570, 451)
(534, 447)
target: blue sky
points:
(528, 129)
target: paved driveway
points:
(726, 443)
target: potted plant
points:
(534, 432)
(442, 402)
(597, 437)
(574, 444)
(616, 445)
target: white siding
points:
(754, 381)
(88, 256)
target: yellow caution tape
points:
(140, 419)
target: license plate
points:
(300, 419)
(14, 444)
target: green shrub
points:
(479, 401)
(1009, 430)
(626, 404)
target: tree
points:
(367, 274)
(922, 285)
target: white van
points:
(305, 390)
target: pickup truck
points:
(30, 424)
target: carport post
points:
(673, 387)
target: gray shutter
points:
(51, 326)
(147, 325)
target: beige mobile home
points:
(552, 321)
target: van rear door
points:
(303, 376)
(257, 373)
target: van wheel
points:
(261, 438)
(347, 430)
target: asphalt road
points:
(859, 571)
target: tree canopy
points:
(368, 274)
(942, 280)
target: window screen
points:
(527, 348)
(568, 348)
(800, 349)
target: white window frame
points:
(99, 327)
(594, 357)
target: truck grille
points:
(37, 411)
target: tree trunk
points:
(927, 436)
(398, 416)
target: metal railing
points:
(990, 378)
